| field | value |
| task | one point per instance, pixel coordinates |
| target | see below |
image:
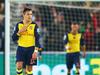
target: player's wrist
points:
(36, 49)
(66, 47)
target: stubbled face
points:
(27, 15)
(75, 27)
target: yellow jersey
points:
(74, 42)
(27, 38)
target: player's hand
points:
(68, 47)
(40, 49)
(32, 61)
(34, 55)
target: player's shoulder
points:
(80, 33)
(68, 32)
(17, 24)
(21, 22)
(34, 23)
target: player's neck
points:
(74, 32)
(25, 21)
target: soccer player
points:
(74, 41)
(27, 37)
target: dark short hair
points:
(74, 23)
(27, 9)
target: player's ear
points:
(78, 26)
(23, 15)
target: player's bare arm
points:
(35, 53)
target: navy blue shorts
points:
(25, 55)
(71, 59)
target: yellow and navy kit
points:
(74, 41)
(28, 38)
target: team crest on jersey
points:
(30, 27)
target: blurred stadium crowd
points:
(2, 24)
(54, 22)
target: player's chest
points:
(30, 28)
(74, 38)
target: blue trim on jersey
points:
(15, 36)
(37, 44)
(82, 41)
(66, 38)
